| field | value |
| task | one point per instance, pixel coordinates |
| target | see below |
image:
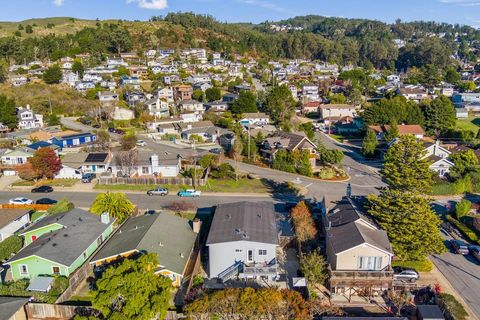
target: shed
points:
(429, 312)
(42, 284)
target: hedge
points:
(452, 308)
(11, 245)
(421, 266)
(470, 234)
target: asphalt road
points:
(85, 199)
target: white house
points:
(414, 93)
(310, 92)
(461, 113)
(27, 119)
(147, 164)
(107, 96)
(438, 156)
(16, 157)
(255, 118)
(242, 241)
(12, 220)
(85, 85)
(191, 105)
(165, 93)
(158, 107)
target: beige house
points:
(359, 253)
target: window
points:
(250, 255)
(56, 270)
(262, 252)
(145, 170)
(369, 263)
(23, 269)
(238, 250)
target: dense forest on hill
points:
(361, 42)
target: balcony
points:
(359, 277)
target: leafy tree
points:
(8, 112)
(120, 39)
(116, 204)
(370, 144)
(307, 128)
(283, 161)
(464, 161)
(131, 290)
(207, 160)
(280, 105)
(61, 206)
(213, 94)
(399, 212)
(45, 163)
(405, 169)
(451, 75)
(53, 120)
(301, 159)
(121, 71)
(28, 29)
(77, 67)
(246, 102)
(337, 98)
(197, 95)
(332, 156)
(53, 74)
(303, 223)
(9, 246)
(128, 141)
(26, 172)
(439, 114)
(314, 268)
(392, 132)
(462, 208)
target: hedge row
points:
(470, 234)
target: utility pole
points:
(50, 103)
(249, 141)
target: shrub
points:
(452, 306)
(471, 235)
(326, 173)
(331, 156)
(9, 246)
(421, 266)
(62, 206)
(462, 208)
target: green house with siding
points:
(60, 243)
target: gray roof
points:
(42, 284)
(9, 215)
(65, 245)
(74, 160)
(290, 140)
(144, 159)
(244, 221)
(168, 235)
(349, 228)
(10, 306)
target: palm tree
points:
(116, 204)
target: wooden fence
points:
(74, 281)
(151, 181)
(42, 311)
(37, 207)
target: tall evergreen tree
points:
(370, 144)
(8, 112)
(439, 114)
(246, 102)
(53, 74)
(280, 105)
(405, 169)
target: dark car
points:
(96, 126)
(111, 130)
(85, 121)
(88, 177)
(46, 201)
(459, 247)
(42, 189)
(475, 252)
(216, 150)
(119, 131)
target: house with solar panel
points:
(242, 241)
(74, 165)
(60, 243)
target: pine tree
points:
(404, 168)
(370, 143)
(411, 225)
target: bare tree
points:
(127, 161)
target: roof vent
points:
(259, 215)
(160, 244)
(54, 244)
(238, 231)
(182, 255)
(65, 235)
(228, 217)
(244, 235)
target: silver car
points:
(158, 192)
(405, 274)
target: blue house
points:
(74, 140)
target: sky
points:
(452, 11)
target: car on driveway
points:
(475, 252)
(141, 143)
(46, 201)
(459, 247)
(405, 274)
(112, 130)
(88, 177)
(189, 193)
(158, 192)
(216, 150)
(42, 189)
(20, 200)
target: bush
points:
(452, 306)
(11, 245)
(326, 173)
(62, 206)
(470, 234)
(331, 156)
(421, 266)
(462, 208)
(460, 186)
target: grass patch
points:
(469, 124)
(214, 185)
(421, 266)
(52, 183)
(36, 215)
(452, 306)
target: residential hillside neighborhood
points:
(186, 168)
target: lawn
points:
(471, 124)
(36, 215)
(221, 185)
(52, 183)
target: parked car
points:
(189, 193)
(459, 247)
(42, 189)
(158, 192)
(475, 252)
(96, 126)
(111, 129)
(119, 131)
(88, 177)
(46, 201)
(216, 150)
(20, 200)
(405, 274)
(141, 143)
(85, 121)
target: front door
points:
(249, 255)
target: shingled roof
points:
(244, 221)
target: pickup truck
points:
(189, 193)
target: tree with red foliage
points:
(46, 163)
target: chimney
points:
(105, 218)
(197, 224)
(154, 159)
